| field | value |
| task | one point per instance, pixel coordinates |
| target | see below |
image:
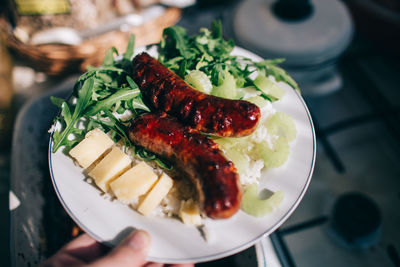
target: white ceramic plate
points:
(173, 242)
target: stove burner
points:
(356, 221)
(293, 10)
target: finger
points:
(181, 265)
(132, 251)
(84, 248)
(63, 259)
(154, 264)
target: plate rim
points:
(225, 253)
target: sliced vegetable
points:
(268, 87)
(199, 81)
(282, 124)
(227, 87)
(239, 159)
(253, 205)
(276, 156)
(271, 68)
(258, 100)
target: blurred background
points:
(344, 55)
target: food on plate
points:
(269, 87)
(196, 157)
(253, 205)
(133, 183)
(94, 145)
(109, 168)
(199, 80)
(112, 173)
(276, 155)
(199, 113)
(156, 194)
(189, 212)
(165, 91)
(281, 123)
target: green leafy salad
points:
(107, 98)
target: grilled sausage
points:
(165, 91)
(195, 156)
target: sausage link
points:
(195, 156)
(165, 91)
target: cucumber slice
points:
(253, 205)
(225, 142)
(240, 93)
(275, 157)
(227, 89)
(258, 100)
(238, 158)
(282, 124)
(199, 81)
(250, 91)
(269, 87)
(242, 144)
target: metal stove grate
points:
(383, 111)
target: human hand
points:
(85, 251)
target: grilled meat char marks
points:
(196, 157)
(165, 91)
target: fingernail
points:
(138, 240)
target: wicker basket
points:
(57, 59)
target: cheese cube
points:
(156, 194)
(133, 183)
(190, 212)
(96, 142)
(111, 166)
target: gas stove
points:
(356, 179)
(358, 134)
(350, 214)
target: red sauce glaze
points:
(165, 91)
(195, 156)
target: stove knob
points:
(356, 221)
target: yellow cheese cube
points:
(112, 165)
(133, 183)
(96, 142)
(156, 194)
(190, 212)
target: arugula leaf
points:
(281, 75)
(131, 83)
(182, 69)
(175, 38)
(106, 104)
(271, 68)
(216, 29)
(61, 138)
(56, 101)
(130, 48)
(137, 106)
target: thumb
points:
(132, 251)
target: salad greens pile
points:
(210, 53)
(103, 95)
(100, 95)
